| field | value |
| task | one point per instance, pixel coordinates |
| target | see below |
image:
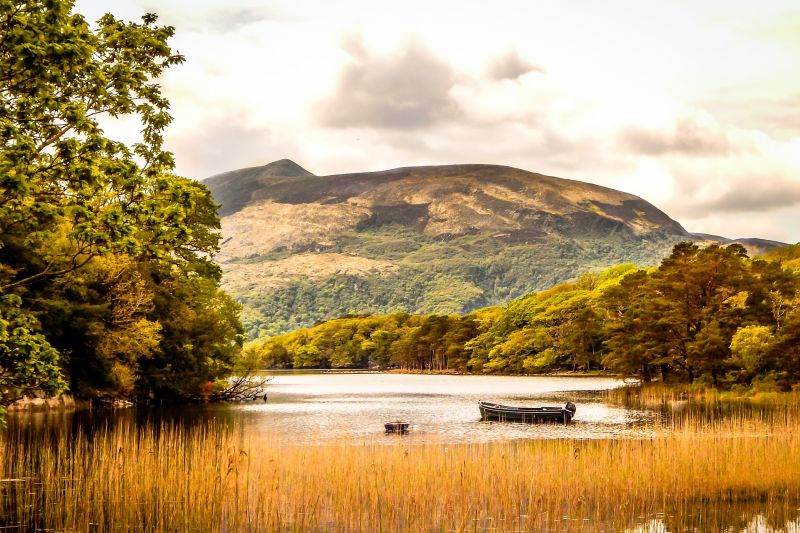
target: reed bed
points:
(658, 393)
(166, 478)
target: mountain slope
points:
(299, 248)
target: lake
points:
(312, 407)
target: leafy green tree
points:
(784, 357)
(750, 347)
(633, 347)
(28, 364)
(97, 238)
(201, 336)
(709, 352)
(57, 169)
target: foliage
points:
(201, 336)
(434, 342)
(94, 233)
(710, 315)
(28, 364)
(789, 256)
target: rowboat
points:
(507, 413)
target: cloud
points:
(691, 136)
(765, 197)
(771, 192)
(510, 67)
(406, 90)
(751, 184)
(780, 116)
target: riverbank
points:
(62, 402)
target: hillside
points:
(299, 248)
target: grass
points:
(208, 479)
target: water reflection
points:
(676, 412)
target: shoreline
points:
(62, 403)
(559, 374)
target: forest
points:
(711, 316)
(107, 283)
(434, 274)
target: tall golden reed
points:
(209, 479)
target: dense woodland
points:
(436, 274)
(107, 287)
(705, 315)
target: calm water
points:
(309, 407)
(439, 407)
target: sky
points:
(694, 105)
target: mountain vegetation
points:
(704, 315)
(106, 283)
(300, 248)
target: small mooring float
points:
(397, 426)
(507, 413)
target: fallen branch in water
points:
(243, 388)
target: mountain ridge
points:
(300, 247)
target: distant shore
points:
(451, 372)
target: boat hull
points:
(507, 413)
(396, 427)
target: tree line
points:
(107, 283)
(708, 315)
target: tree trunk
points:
(664, 371)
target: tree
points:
(58, 172)
(750, 347)
(709, 351)
(28, 364)
(201, 336)
(95, 233)
(633, 347)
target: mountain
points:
(753, 245)
(235, 189)
(299, 248)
